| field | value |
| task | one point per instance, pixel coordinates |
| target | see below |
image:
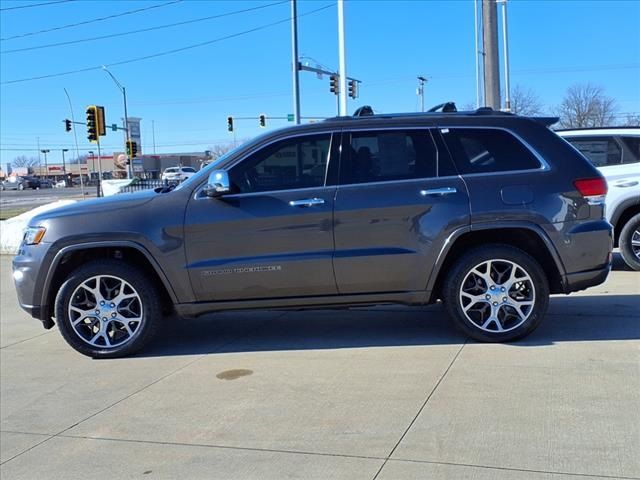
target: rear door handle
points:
(307, 202)
(438, 191)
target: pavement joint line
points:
(420, 410)
(513, 469)
(27, 339)
(225, 447)
(188, 364)
(322, 454)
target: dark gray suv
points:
(487, 212)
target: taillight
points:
(593, 189)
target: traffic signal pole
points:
(296, 63)
(342, 60)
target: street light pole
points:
(64, 166)
(126, 118)
(505, 44)
(421, 82)
(46, 165)
(296, 62)
(342, 61)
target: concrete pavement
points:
(386, 393)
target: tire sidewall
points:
(626, 234)
(493, 252)
(146, 291)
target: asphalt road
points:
(375, 393)
(35, 198)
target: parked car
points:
(616, 153)
(21, 183)
(177, 174)
(486, 211)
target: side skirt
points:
(191, 310)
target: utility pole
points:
(153, 134)
(490, 49)
(505, 44)
(342, 69)
(420, 92)
(296, 63)
(477, 52)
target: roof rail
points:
(447, 107)
(363, 111)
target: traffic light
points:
(101, 127)
(263, 120)
(132, 149)
(334, 86)
(92, 125)
(230, 124)
(67, 125)
(353, 88)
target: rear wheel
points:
(107, 309)
(496, 293)
(630, 242)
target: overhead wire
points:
(149, 29)
(31, 5)
(93, 20)
(164, 53)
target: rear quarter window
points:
(488, 150)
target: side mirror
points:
(218, 184)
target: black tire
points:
(147, 306)
(514, 325)
(630, 233)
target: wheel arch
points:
(70, 257)
(621, 215)
(529, 238)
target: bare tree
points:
(24, 161)
(220, 149)
(525, 102)
(586, 105)
(633, 120)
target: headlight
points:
(33, 235)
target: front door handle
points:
(307, 202)
(438, 191)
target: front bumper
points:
(28, 276)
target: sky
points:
(240, 63)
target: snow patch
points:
(12, 229)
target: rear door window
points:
(391, 155)
(488, 150)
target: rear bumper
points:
(582, 280)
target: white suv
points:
(177, 174)
(616, 153)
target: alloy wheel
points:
(497, 296)
(105, 311)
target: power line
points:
(149, 29)
(35, 5)
(166, 52)
(93, 20)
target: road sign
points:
(114, 127)
(290, 117)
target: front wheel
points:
(496, 293)
(630, 242)
(107, 309)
